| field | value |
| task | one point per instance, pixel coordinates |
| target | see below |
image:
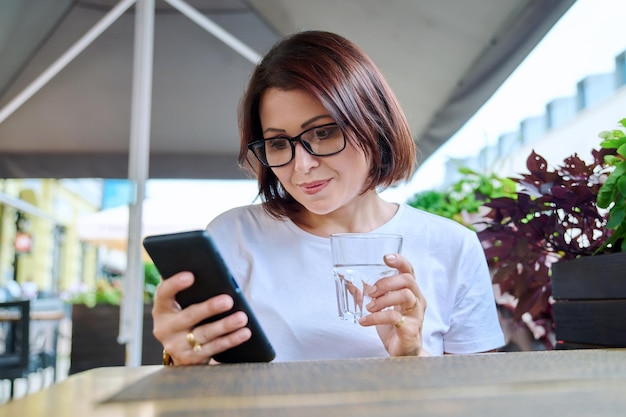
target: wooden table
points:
(12, 315)
(551, 383)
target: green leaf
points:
(617, 215)
(621, 186)
(622, 150)
(606, 194)
(612, 139)
(604, 135)
(467, 171)
(620, 170)
(612, 159)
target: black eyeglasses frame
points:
(252, 146)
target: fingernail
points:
(185, 277)
(391, 257)
(372, 290)
(229, 302)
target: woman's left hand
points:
(397, 309)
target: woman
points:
(323, 133)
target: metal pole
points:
(22, 205)
(217, 31)
(131, 314)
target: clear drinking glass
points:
(357, 264)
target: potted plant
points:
(590, 292)
(571, 213)
(95, 324)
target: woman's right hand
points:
(175, 327)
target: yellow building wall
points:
(77, 262)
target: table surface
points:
(7, 315)
(572, 383)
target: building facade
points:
(39, 245)
(569, 125)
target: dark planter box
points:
(94, 338)
(590, 301)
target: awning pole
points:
(25, 207)
(131, 314)
(217, 31)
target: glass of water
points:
(357, 264)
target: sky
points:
(584, 42)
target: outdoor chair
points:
(15, 337)
(44, 338)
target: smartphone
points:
(195, 251)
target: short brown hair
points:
(349, 85)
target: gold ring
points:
(399, 323)
(413, 307)
(191, 339)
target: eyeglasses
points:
(324, 140)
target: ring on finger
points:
(413, 307)
(399, 323)
(195, 345)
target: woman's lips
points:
(314, 187)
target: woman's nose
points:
(303, 160)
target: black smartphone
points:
(195, 251)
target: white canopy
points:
(443, 58)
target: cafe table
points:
(547, 383)
(34, 315)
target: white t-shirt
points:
(286, 276)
